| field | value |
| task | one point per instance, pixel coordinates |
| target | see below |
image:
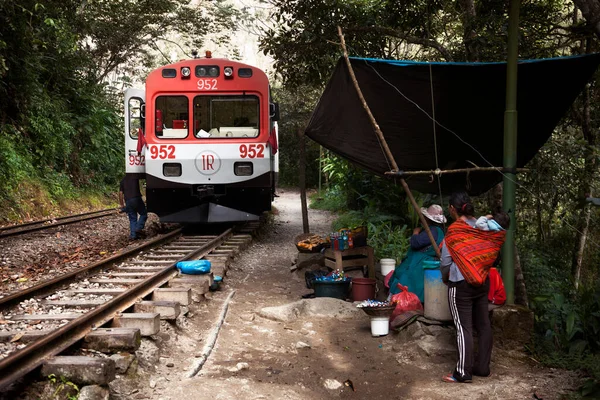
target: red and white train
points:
(204, 136)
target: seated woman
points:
(410, 272)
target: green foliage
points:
(304, 40)
(64, 387)
(295, 110)
(60, 124)
(388, 239)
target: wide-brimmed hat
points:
(435, 213)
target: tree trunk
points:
(302, 179)
(538, 201)
(468, 18)
(590, 9)
(520, 289)
(581, 246)
(584, 188)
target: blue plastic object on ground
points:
(194, 267)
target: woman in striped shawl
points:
(467, 256)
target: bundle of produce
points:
(309, 243)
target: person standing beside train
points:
(131, 202)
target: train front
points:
(210, 142)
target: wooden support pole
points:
(455, 171)
(302, 179)
(385, 147)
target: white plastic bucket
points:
(387, 265)
(380, 326)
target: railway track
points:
(14, 230)
(44, 320)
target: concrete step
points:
(81, 370)
(147, 323)
(113, 340)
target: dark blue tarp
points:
(469, 100)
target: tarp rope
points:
(437, 164)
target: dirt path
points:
(309, 358)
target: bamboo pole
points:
(384, 144)
(455, 171)
(302, 179)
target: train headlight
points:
(243, 168)
(228, 72)
(213, 71)
(172, 169)
(185, 72)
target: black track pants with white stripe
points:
(469, 309)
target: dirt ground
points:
(310, 357)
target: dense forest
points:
(63, 65)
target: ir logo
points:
(208, 162)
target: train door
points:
(134, 123)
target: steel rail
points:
(31, 357)
(33, 226)
(46, 286)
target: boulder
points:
(512, 326)
(318, 307)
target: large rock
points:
(318, 307)
(93, 392)
(306, 260)
(512, 326)
(431, 346)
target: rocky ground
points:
(42, 255)
(273, 345)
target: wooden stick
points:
(385, 146)
(452, 171)
(302, 179)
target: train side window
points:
(171, 117)
(135, 117)
(232, 116)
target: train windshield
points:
(226, 116)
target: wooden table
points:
(346, 259)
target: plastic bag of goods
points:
(405, 301)
(194, 267)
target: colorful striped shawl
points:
(473, 250)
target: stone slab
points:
(81, 370)
(181, 295)
(147, 323)
(168, 310)
(197, 286)
(112, 340)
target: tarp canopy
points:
(469, 104)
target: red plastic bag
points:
(405, 301)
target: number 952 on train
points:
(203, 134)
